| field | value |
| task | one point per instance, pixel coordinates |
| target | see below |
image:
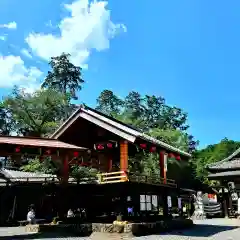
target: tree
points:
(36, 114)
(212, 154)
(108, 103)
(7, 124)
(64, 77)
(147, 113)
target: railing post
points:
(100, 178)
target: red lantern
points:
(178, 158)
(171, 155)
(48, 152)
(109, 145)
(100, 147)
(143, 145)
(153, 149)
(75, 154)
(17, 149)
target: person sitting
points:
(31, 216)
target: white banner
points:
(165, 161)
(169, 201)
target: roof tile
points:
(38, 142)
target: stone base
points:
(32, 228)
(110, 236)
(115, 231)
(138, 229)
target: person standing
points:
(31, 217)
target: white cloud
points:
(88, 27)
(11, 25)
(13, 72)
(26, 53)
(2, 38)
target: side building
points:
(227, 172)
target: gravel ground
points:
(219, 229)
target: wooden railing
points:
(151, 179)
(121, 176)
(102, 178)
(112, 177)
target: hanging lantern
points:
(100, 147)
(109, 145)
(75, 154)
(143, 145)
(178, 158)
(17, 149)
(153, 149)
(171, 155)
(48, 152)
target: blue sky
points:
(187, 51)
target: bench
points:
(25, 222)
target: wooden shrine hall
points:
(91, 139)
(114, 141)
(227, 172)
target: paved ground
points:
(219, 229)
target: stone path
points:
(212, 229)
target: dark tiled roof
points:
(21, 176)
(37, 142)
(231, 164)
(223, 174)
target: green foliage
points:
(212, 154)
(36, 114)
(49, 166)
(7, 124)
(79, 172)
(46, 166)
(150, 114)
(65, 77)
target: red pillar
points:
(163, 170)
(124, 156)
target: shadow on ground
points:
(39, 236)
(202, 230)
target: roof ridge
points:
(225, 159)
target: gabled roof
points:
(231, 162)
(119, 128)
(37, 142)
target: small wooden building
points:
(227, 172)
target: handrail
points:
(121, 176)
(151, 179)
(112, 177)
